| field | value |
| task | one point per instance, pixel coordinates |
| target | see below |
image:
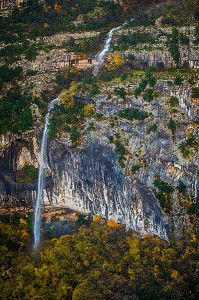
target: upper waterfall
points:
(101, 55)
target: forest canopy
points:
(100, 261)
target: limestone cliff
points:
(89, 178)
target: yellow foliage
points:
(46, 25)
(115, 60)
(155, 271)
(25, 234)
(67, 96)
(57, 7)
(23, 222)
(66, 99)
(131, 273)
(167, 256)
(54, 280)
(41, 100)
(45, 7)
(96, 218)
(73, 87)
(112, 223)
(193, 238)
(174, 274)
(189, 251)
(134, 247)
(89, 109)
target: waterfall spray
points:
(37, 220)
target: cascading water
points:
(196, 188)
(103, 53)
(37, 220)
(99, 59)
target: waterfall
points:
(196, 188)
(37, 219)
(100, 56)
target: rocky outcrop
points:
(89, 179)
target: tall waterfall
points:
(100, 56)
(37, 220)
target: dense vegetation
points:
(15, 113)
(71, 118)
(27, 174)
(133, 114)
(100, 261)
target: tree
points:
(31, 53)
(195, 92)
(89, 109)
(174, 101)
(67, 96)
(15, 113)
(115, 60)
(178, 80)
(172, 125)
(148, 95)
(120, 92)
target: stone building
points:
(11, 3)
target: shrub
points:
(195, 92)
(137, 92)
(174, 101)
(152, 81)
(160, 66)
(148, 95)
(163, 186)
(164, 195)
(173, 45)
(133, 114)
(184, 146)
(181, 187)
(191, 209)
(172, 126)
(111, 223)
(135, 168)
(153, 128)
(178, 80)
(94, 90)
(141, 87)
(120, 92)
(27, 174)
(75, 135)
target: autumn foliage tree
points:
(102, 261)
(115, 60)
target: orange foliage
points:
(174, 274)
(46, 25)
(96, 218)
(111, 223)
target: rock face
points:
(86, 180)
(89, 179)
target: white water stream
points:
(37, 219)
(100, 56)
